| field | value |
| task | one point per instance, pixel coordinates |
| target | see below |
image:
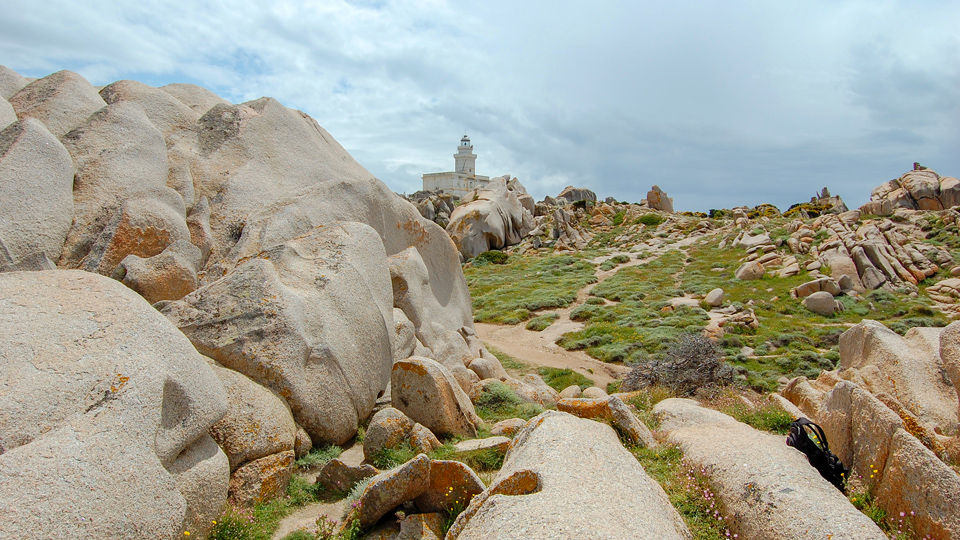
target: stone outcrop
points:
(876, 253)
(390, 427)
(822, 303)
(338, 477)
(778, 495)
(571, 195)
(657, 199)
(558, 472)
(62, 101)
(909, 368)
(750, 271)
(184, 196)
(258, 422)
(105, 410)
(490, 218)
(919, 189)
(903, 474)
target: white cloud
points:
(718, 103)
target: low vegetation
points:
(499, 402)
(505, 293)
(689, 489)
(559, 379)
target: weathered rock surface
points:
(821, 303)
(572, 194)
(508, 427)
(778, 495)
(908, 368)
(269, 319)
(36, 192)
(338, 477)
(749, 271)
(104, 411)
(261, 480)
(7, 114)
(658, 200)
(258, 422)
(714, 297)
(499, 443)
(489, 218)
(429, 394)
(390, 427)
(10, 82)
(919, 189)
(135, 167)
(904, 475)
(169, 275)
(452, 485)
(62, 101)
(390, 489)
(555, 480)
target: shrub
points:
(690, 363)
(650, 220)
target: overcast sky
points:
(720, 103)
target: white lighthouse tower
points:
(466, 160)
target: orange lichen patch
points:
(521, 482)
(418, 235)
(585, 407)
(132, 240)
(261, 480)
(413, 367)
(451, 482)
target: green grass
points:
(689, 490)
(509, 293)
(499, 402)
(765, 416)
(260, 522)
(559, 379)
(388, 458)
(318, 457)
(614, 262)
(645, 401)
(488, 459)
(507, 361)
(541, 323)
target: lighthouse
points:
(463, 179)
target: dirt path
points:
(306, 517)
(540, 348)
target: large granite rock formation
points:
(491, 218)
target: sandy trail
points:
(540, 348)
(306, 517)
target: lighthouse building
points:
(463, 178)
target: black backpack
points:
(808, 438)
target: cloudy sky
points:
(720, 103)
